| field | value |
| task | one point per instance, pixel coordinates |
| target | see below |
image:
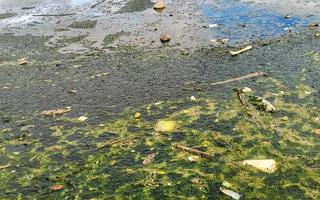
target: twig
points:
(234, 53)
(251, 75)
(54, 15)
(100, 2)
(194, 151)
(240, 97)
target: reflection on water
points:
(79, 2)
(248, 21)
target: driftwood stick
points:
(100, 2)
(234, 53)
(54, 15)
(251, 75)
(194, 151)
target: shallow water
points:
(240, 21)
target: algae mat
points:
(129, 158)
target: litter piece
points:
(165, 125)
(234, 53)
(194, 151)
(268, 165)
(230, 193)
(211, 26)
(56, 111)
(251, 75)
(23, 61)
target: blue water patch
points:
(246, 21)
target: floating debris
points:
(4, 166)
(313, 25)
(230, 193)
(251, 75)
(149, 158)
(164, 125)
(82, 119)
(165, 37)
(23, 61)
(56, 111)
(194, 151)
(193, 158)
(234, 53)
(210, 26)
(268, 165)
(193, 98)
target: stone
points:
(165, 37)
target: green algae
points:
(105, 161)
(83, 24)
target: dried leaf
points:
(149, 158)
(57, 187)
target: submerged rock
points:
(268, 165)
(261, 104)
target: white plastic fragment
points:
(268, 165)
(230, 193)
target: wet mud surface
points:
(119, 81)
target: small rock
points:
(165, 37)
(285, 118)
(317, 35)
(159, 6)
(317, 131)
(72, 91)
(211, 26)
(246, 90)
(137, 115)
(193, 98)
(313, 25)
(82, 118)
